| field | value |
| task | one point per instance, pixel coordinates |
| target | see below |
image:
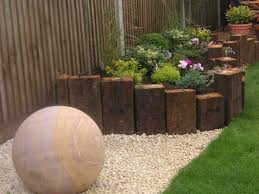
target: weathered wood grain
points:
(181, 111)
(118, 105)
(150, 109)
(210, 111)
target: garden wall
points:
(119, 107)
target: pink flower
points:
(188, 61)
(183, 64)
(198, 67)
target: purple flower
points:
(195, 41)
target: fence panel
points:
(40, 39)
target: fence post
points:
(219, 12)
(120, 24)
(183, 13)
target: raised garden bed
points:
(151, 109)
(123, 105)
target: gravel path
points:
(134, 164)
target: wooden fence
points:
(40, 39)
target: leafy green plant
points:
(191, 52)
(128, 68)
(239, 15)
(166, 75)
(193, 80)
(149, 57)
(202, 34)
(178, 39)
(154, 39)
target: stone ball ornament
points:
(58, 150)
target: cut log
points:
(227, 60)
(150, 109)
(242, 39)
(215, 51)
(85, 95)
(251, 50)
(210, 111)
(181, 111)
(235, 45)
(229, 84)
(118, 105)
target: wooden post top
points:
(211, 46)
(150, 86)
(176, 91)
(209, 95)
(230, 42)
(85, 77)
(117, 79)
(229, 72)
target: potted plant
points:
(254, 7)
(239, 19)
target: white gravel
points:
(133, 165)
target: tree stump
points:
(181, 111)
(229, 84)
(210, 111)
(118, 105)
(150, 109)
(85, 95)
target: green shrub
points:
(128, 68)
(192, 52)
(154, 39)
(193, 80)
(239, 15)
(149, 57)
(166, 75)
(202, 34)
(178, 39)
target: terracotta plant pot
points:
(256, 26)
(240, 28)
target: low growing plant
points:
(239, 15)
(166, 75)
(202, 34)
(193, 79)
(188, 64)
(155, 39)
(178, 39)
(191, 52)
(128, 68)
(149, 57)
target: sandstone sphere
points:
(58, 150)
